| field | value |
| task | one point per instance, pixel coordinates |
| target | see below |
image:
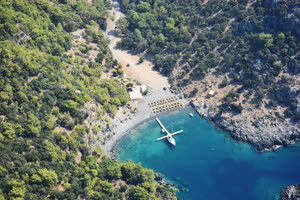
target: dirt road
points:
(142, 72)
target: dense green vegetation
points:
(44, 144)
(253, 43)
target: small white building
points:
(211, 93)
(137, 92)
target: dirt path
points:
(142, 72)
(228, 25)
(249, 4)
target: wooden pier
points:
(165, 130)
(164, 105)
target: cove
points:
(207, 163)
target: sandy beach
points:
(144, 74)
(123, 123)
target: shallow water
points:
(207, 163)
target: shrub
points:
(236, 107)
(297, 116)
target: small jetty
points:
(169, 135)
(165, 105)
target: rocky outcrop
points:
(107, 126)
(289, 95)
(263, 133)
(257, 65)
(290, 193)
(159, 177)
(290, 22)
(204, 109)
(244, 26)
(273, 3)
(294, 65)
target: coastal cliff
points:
(265, 133)
(290, 193)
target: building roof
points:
(136, 93)
(211, 92)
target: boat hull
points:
(171, 140)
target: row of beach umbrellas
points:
(166, 107)
(163, 101)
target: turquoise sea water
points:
(207, 163)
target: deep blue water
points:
(207, 163)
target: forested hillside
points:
(252, 45)
(44, 143)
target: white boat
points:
(169, 136)
(171, 140)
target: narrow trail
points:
(191, 42)
(141, 72)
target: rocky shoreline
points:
(290, 193)
(264, 134)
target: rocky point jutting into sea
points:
(263, 133)
(290, 193)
